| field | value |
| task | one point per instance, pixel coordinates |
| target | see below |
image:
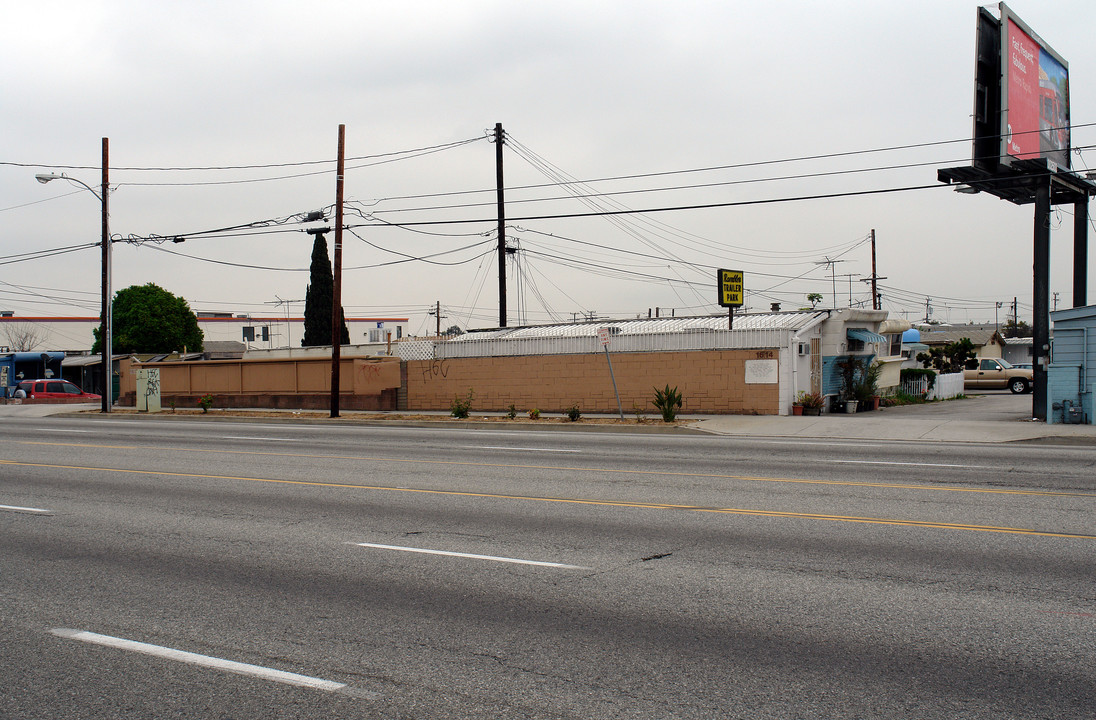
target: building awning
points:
(866, 335)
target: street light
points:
(106, 336)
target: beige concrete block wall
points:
(375, 375)
(710, 382)
(281, 377)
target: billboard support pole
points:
(1080, 252)
(1041, 300)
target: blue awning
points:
(866, 335)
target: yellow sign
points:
(732, 287)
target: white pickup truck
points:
(998, 373)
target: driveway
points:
(999, 405)
(987, 417)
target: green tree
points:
(318, 298)
(1014, 329)
(149, 319)
(951, 358)
(814, 299)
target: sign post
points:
(732, 288)
(603, 338)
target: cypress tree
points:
(318, 298)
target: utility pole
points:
(499, 139)
(876, 298)
(928, 309)
(336, 290)
(874, 276)
(1056, 300)
(436, 312)
(107, 335)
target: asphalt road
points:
(154, 567)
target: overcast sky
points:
(702, 102)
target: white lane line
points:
(842, 442)
(472, 556)
(190, 658)
(914, 464)
(16, 508)
(519, 449)
(61, 430)
(271, 439)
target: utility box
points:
(1071, 376)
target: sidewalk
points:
(882, 425)
(977, 419)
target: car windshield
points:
(1005, 365)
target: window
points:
(896, 344)
(988, 365)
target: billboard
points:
(1021, 95)
(1034, 95)
(732, 287)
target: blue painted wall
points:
(1072, 376)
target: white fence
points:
(946, 386)
(698, 339)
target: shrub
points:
(206, 401)
(859, 378)
(573, 413)
(810, 400)
(668, 402)
(460, 407)
(511, 412)
(534, 414)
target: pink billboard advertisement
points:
(1036, 97)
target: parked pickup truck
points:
(998, 373)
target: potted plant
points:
(810, 402)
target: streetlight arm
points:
(47, 177)
(106, 339)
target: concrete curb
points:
(878, 427)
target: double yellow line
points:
(586, 501)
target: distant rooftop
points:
(758, 321)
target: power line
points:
(733, 166)
(422, 258)
(265, 166)
(703, 206)
(38, 255)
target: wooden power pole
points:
(336, 289)
(499, 138)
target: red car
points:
(55, 389)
